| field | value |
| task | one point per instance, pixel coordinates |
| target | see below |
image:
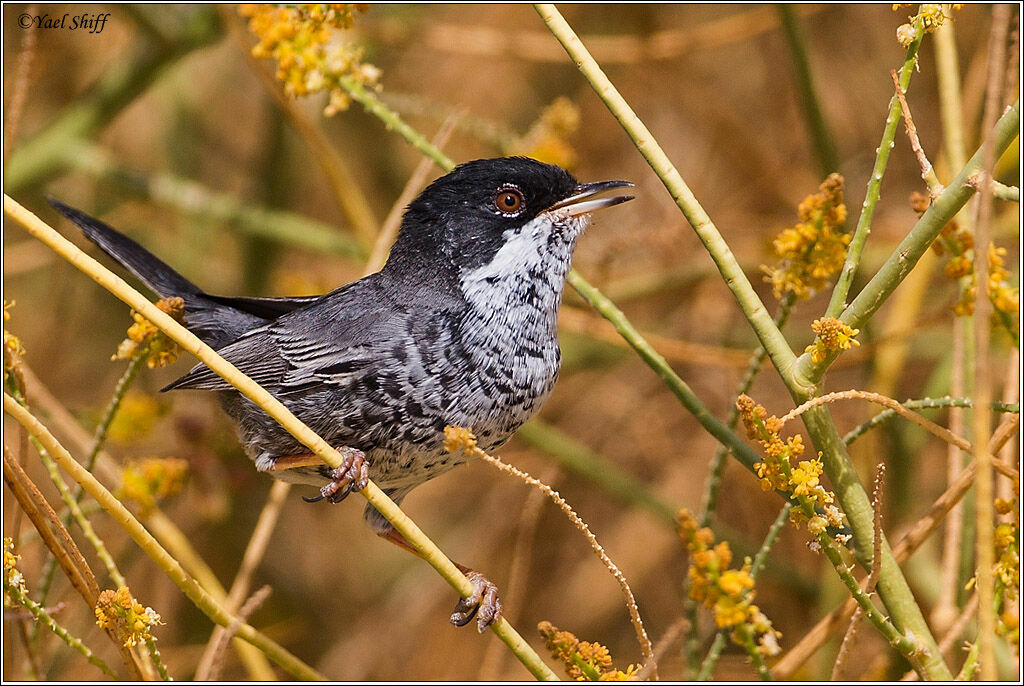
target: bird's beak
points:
(579, 202)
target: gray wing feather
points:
(323, 342)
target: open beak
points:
(580, 201)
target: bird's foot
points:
(352, 475)
(484, 602)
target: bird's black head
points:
(463, 218)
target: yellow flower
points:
(832, 336)
(12, 577)
(299, 37)
(815, 248)
(583, 660)
(150, 480)
(728, 593)
(119, 612)
(160, 350)
(457, 438)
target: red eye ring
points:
(509, 201)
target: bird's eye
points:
(509, 201)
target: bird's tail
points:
(149, 269)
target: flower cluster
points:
(777, 472)
(815, 249)
(152, 479)
(1004, 295)
(120, 613)
(457, 438)
(145, 339)
(831, 335)
(583, 661)
(958, 243)
(135, 417)
(729, 593)
(13, 579)
(299, 38)
(13, 352)
(1007, 569)
(548, 139)
(930, 16)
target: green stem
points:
(824, 145)
(394, 122)
(710, 502)
(754, 310)
(99, 438)
(971, 665)
(655, 361)
(747, 641)
(906, 255)
(161, 668)
(43, 618)
(860, 234)
(1004, 192)
(202, 600)
(46, 153)
(923, 403)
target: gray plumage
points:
(458, 328)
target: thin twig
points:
(254, 552)
(634, 613)
(982, 417)
(754, 310)
(928, 425)
(837, 301)
(927, 172)
(202, 600)
(718, 645)
(41, 616)
(907, 545)
(872, 579)
(425, 547)
(519, 571)
(209, 667)
(60, 544)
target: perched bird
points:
(458, 328)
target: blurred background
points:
(164, 126)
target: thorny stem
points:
(161, 668)
(189, 342)
(860, 234)
(923, 403)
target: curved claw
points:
(484, 603)
(352, 475)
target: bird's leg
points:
(484, 602)
(352, 475)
